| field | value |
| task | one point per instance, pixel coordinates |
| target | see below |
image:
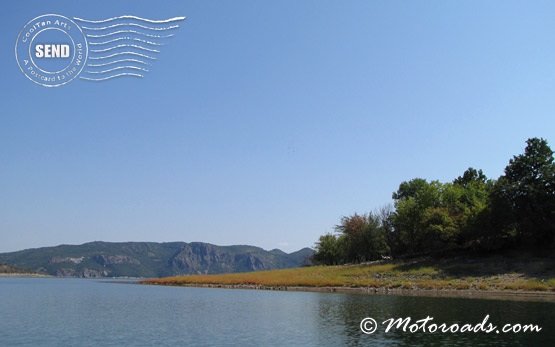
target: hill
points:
(150, 259)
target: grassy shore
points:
(12, 271)
(493, 273)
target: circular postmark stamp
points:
(51, 50)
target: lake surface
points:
(77, 312)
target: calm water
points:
(74, 312)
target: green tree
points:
(524, 197)
(468, 198)
(434, 216)
(471, 177)
(365, 237)
(412, 199)
(439, 230)
(329, 250)
(472, 211)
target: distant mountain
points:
(150, 259)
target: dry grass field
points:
(482, 273)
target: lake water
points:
(76, 312)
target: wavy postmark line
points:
(123, 53)
(124, 74)
(132, 25)
(161, 21)
(128, 60)
(124, 46)
(131, 67)
(129, 32)
(126, 38)
(146, 27)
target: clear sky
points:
(264, 122)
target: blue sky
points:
(264, 122)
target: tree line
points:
(472, 212)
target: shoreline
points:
(23, 275)
(513, 295)
(497, 277)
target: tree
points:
(436, 216)
(329, 250)
(365, 237)
(439, 230)
(468, 198)
(525, 195)
(471, 177)
(412, 199)
(471, 212)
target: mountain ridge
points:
(151, 259)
